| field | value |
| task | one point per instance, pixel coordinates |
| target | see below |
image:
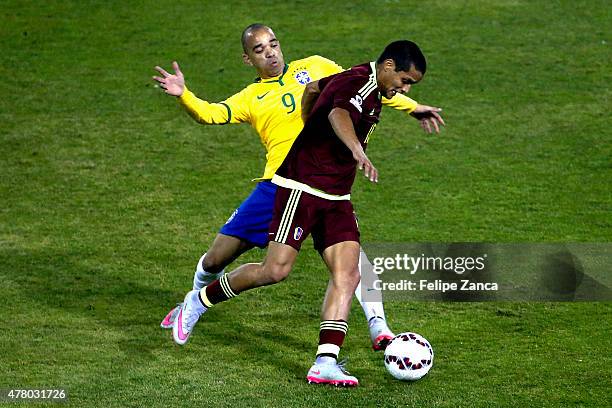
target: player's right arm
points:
(232, 110)
(342, 124)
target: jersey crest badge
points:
(297, 234)
(302, 77)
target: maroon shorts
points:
(298, 214)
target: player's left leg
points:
(245, 229)
(277, 265)
(224, 250)
(371, 302)
(341, 259)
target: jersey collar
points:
(373, 68)
(274, 79)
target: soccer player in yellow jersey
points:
(272, 106)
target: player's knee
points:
(276, 272)
(348, 278)
(354, 277)
(213, 262)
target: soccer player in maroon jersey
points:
(313, 197)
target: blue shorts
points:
(251, 220)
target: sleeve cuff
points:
(411, 105)
(186, 96)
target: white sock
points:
(325, 360)
(202, 277)
(199, 305)
(371, 303)
(200, 269)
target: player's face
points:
(391, 82)
(263, 51)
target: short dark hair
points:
(405, 54)
(249, 30)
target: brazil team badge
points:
(302, 77)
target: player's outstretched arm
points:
(342, 124)
(172, 84)
(429, 117)
(232, 110)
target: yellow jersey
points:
(273, 106)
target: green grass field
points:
(110, 193)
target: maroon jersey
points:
(318, 158)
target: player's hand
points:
(172, 84)
(363, 163)
(429, 118)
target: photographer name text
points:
(435, 285)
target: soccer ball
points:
(408, 356)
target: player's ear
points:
(389, 65)
(246, 59)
